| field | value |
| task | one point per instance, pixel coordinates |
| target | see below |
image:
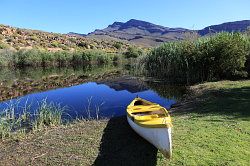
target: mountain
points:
(237, 26)
(75, 34)
(139, 32)
(148, 34)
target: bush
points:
(133, 52)
(82, 44)
(118, 45)
(47, 58)
(117, 58)
(77, 58)
(103, 58)
(3, 45)
(98, 57)
(63, 58)
(55, 44)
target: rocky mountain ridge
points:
(149, 34)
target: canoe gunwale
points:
(163, 122)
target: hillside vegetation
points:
(23, 47)
(18, 38)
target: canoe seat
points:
(145, 117)
(149, 112)
(149, 115)
(144, 108)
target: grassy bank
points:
(211, 127)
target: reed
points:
(36, 57)
(47, 115)
(15, 120)
(9, 121)
(217, 57)
(93, 111)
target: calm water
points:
(110, 95)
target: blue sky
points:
(84, 16)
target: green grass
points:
(214, 131)
(210, 140)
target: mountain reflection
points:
(131, 84)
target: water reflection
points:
(167, 91)
(112, 95)
(12, 74)
(128, 83)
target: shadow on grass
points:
(232, 102)
(122, 146)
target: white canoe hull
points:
(159, 137)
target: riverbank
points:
(211, 127)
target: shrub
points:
(55, 44)
(103, 58)
(3, 45)
(47, 58)
(62, 58)
(118, 45)
(82, 44)
(133, 52)
(77, 58)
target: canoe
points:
(152, 122)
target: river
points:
(96, 97)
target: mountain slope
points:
(139, 32)
(17, 38)
(148, 34)
(237, 26)
(131, 32)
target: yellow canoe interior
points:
(148, 114)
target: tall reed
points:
(15, 119)
(222, 56)
(36, 57)
(48, 114)
(93, 113)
